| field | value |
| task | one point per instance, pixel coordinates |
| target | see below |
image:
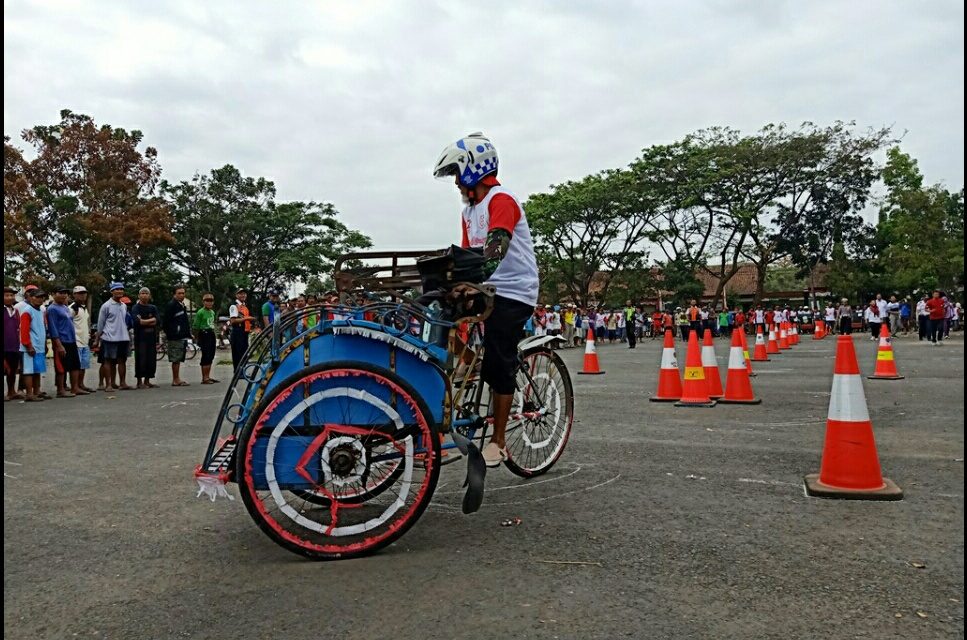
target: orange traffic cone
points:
(760, 354)
(738, 387)
(885, 364)
(783, 336)
(669, 378)
(591, 367)
(818, 329)
(710, 363)
(695, 388)
(794, 328)
(850, 467)
(773, 345)
(745, 352)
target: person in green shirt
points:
(629, 312)
(203, 326)
(723, 322)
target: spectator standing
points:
(905, 316)
(629, 315)
(923, 318)
(113, 339)
(272, 309)
(11, 343)
(33, 344)
(240, 321)
(177, 329)
(845, 315)
(873, 319)
(204, 329)
(569, 324)
(937, 310)
(145, 318)
(67, 363)
(881, 308)
(893, 315)
(951, 314)
(81, 317)
(694, 315)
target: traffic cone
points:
(850, 468)
(773, 345)
(818, 329)
(885, 364)
(795, 333)
(695, 387)
(738, 387)
(783, 336)
(760, 354)
(669, 378)
(591, 367)
(711, 366)
(745, 352)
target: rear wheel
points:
(339, 460)
(541, 415)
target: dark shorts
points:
(70, 361)
(176, 350)
(11, 362)
(503, 329)
(114, 351)
(206, 342)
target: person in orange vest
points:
(240, 321)
(694, 315)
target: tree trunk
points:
(760, 283)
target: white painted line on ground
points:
(16, 464)
(778, 483)
(516, 486)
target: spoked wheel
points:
(384, 467)
(339, 460)
(542, 414)
(191, 351)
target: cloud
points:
(352, 102)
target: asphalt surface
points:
(690, 523)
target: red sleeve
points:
(504, 213)
(465, 240)
(25, 329)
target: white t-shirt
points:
(516, 276)
(760, 316)
(881, 305)
(830, 314)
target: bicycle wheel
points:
(542, 414)
(191, 351)
(160, 351)
(330, 430)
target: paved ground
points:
(696, 517)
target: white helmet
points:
(470, 158)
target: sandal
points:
(180, 384)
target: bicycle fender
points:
(538, 341)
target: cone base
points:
(760, 359)
(683, 403)
(884, 377)
(590, 373)
(817, 489)
(753, 401)
(657, 399)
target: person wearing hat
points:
(11, 343)
(144, 316)
(81, 317)
(67, 364)
(33, 343)
(240, 321)
(112, 335)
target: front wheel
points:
(339, 460)
(542, 414)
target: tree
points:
(85, 207)
(230, 231)
(824, 176)
(921, 230)
(590, 231)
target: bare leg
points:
(123, 373)
(176, 373)
(60, 380)
(110, 376)
(206, 372)
(502, 405)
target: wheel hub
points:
(342, 461)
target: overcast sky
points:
(351, 102)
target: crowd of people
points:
(59, 324)
(933, 317)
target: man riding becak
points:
(494, 220)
